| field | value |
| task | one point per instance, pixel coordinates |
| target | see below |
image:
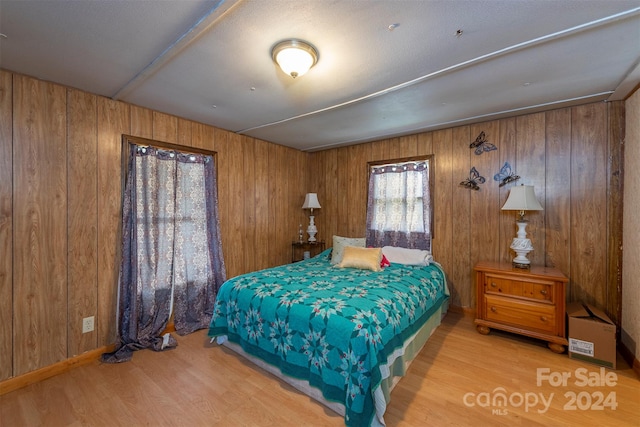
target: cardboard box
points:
(592, 335)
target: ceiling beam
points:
(199, 28)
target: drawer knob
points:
(543, 291)
(543, 318)
(493, 309)
(493, 285)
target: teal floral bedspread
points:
(331, 326)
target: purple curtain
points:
(398, 206)
(171, 249)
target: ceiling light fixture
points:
(294, 57)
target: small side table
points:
(299, 248)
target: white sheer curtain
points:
(398, 207)
(171, 250)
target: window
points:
(399, 203)
(171, 247)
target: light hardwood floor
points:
(202, 384)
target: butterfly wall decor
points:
(506, 175)
(474, 179)
(481, 144)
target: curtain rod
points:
(160, 144)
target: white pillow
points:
(407, 256)
(339, 244)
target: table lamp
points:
(522, 198)
(311, 202)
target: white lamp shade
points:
(294, 57)
(311, 201)
(522, 198)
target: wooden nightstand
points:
(299, 248)
(527, 302)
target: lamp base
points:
(312, 230)
(515, 264)
(521, 247)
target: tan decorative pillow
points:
(362, 258)
(339, 244)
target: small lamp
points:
(294, 57)
(311, 202)
(522, 198)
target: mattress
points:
(341, 335)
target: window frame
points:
(430, 159)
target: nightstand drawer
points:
(529, 315)
(525, 289)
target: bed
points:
(344, 336)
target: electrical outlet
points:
(87, 324)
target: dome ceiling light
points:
(294, 57)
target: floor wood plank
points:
(200, 384)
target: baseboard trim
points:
(58, 368)
(466, 311)
(629, 357)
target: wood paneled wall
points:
(60, 211)
(6, 227)
(39, 224)
(60, 204)
(573, 158)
